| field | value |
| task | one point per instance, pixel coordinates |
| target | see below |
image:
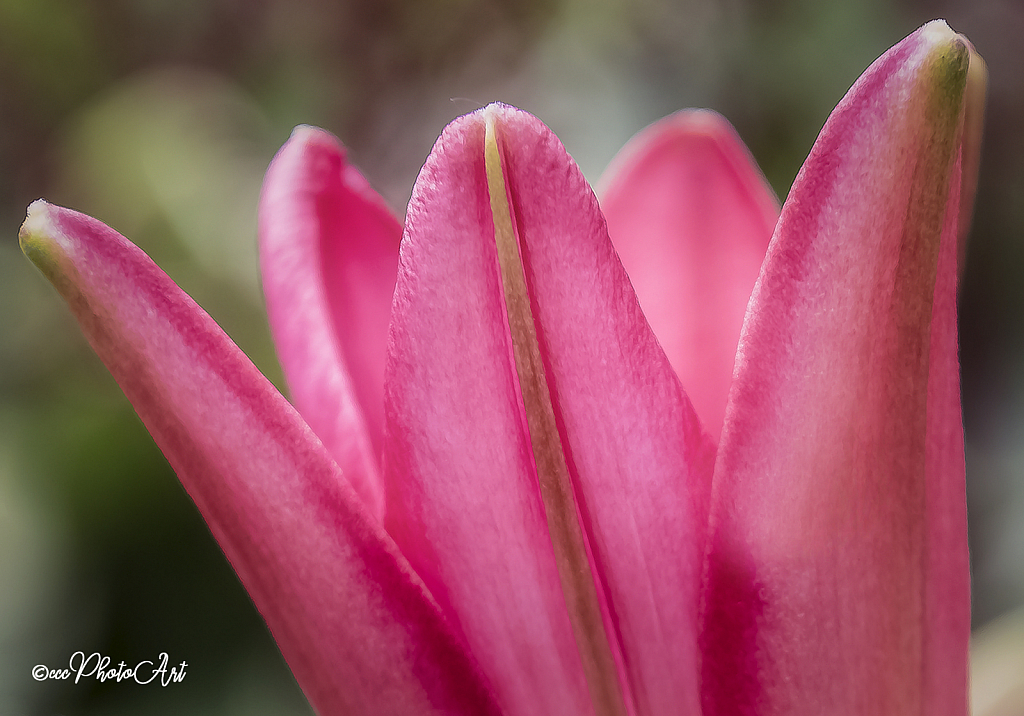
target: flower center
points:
(579, 583)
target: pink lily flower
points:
(493, 495)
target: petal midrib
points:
(569, 541)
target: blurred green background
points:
(160, 116)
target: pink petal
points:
(837, 577)
(690, 215)
(463, 496)
(949, 591)
(947, 606)
(329, 254)
(353, 621)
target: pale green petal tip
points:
(942, 61)
(948, 58)
(38, 238)
(304, 133)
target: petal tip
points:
(308, 141)
(497, 108)
(301, 131)
(310, 134)
(37, 219)
(949, 68)
(946, 48)
(702, 121)
(502, 112)
(937, 30)
(38, 235)
(938, 34)
(497, 113)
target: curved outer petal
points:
(354, 623)
(329, 255)
(837, 574)
(947, 598)
(463, 499)
(691, 215)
